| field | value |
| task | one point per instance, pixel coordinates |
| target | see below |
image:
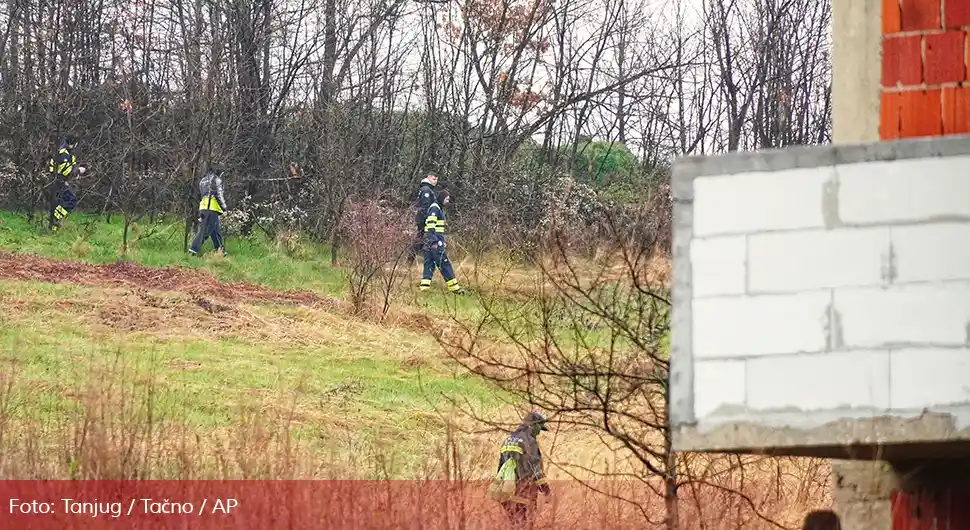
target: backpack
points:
(502, 487)
(212, 183)
(211, 188)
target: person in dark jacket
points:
(425, 197)
(522, 448)
(822, 520)
(435, 255)
(63, 167)
(211, 206)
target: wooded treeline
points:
(310, 103)
(534, 113)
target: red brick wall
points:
(925, 83)
(942, 509)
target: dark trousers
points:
(63, 202)
(437, 258)
(520, 515)
(208, 228)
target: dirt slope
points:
(190, 281)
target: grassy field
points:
(115, 371)
(88, 238)
(344, 387)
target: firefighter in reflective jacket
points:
(62, 167)
(435, 256)
(521, 458)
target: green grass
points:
(88, 238)
(339, 383)
(351, 381)
(254, 260)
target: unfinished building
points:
(822, 294)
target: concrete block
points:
(740, 326)
(914, 314)
(718, 265)
(718, 384)
(931, 252)
(817, 259)
(856, 55)
(904, 190)
(820, 381)
(760, 201)
(862, 493)
(929, 377)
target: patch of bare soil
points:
(199, 283)
(184, 365)
(173, 314)
(342, 392)
(413, 361)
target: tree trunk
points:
(670, 491)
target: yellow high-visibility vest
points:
(209, 202)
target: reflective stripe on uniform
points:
(541, 481)
(435, 224)
(431, 222)
(60, 212)
(64, 168)
(453, 286)
(511, 449)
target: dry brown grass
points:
(180, 316)
(495, 273)
(114, 431)
(114, 434)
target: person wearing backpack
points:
(211, 206)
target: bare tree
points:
(590, 349)
(318, 105)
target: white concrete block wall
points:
(810, 383)
(838, 288)
(791, 262)
(931, 314)
(743, 326)
(939, 376)
(728, 377)
(920, 189)
(719, 265)
(760, 201)
(931, 252)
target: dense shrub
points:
(376, 237)
(570, 209)
(272, 216)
